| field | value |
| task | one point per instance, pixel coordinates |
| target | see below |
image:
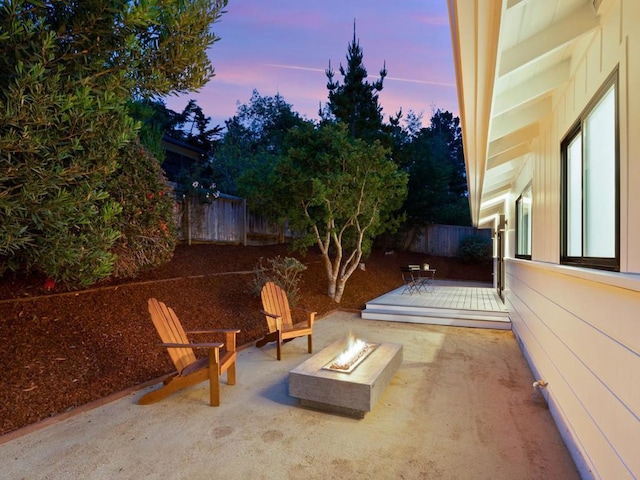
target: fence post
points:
(245, 222)
(188, 216)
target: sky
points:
(285, 46)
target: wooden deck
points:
(448, 303)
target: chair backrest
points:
(170, 330)
(275, 301)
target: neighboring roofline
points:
(182, 144)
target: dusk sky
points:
(284, 46)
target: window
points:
(523, 224)
(590, 183)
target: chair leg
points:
(310, 343)
(214, 377)
(279, 347)
(231, 374)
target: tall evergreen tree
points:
(355, 102)
(437, 183)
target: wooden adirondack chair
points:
(279, 320)
(189, 370)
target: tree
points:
(355, 102)
(155, 121)
(447, 129)
(437, 183)
(56, 152)
(67, 71)
(254, 137)
(340, 192)
(193, 127)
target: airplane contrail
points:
(397, 79)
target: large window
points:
(590, 182)
(523, 224)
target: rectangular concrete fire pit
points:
(352, 394)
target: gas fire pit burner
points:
(348, 360)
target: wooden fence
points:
(224, 220)
(439, 240)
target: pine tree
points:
(355, 102)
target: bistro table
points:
(417, 278)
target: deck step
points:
(461, 321)
(436, 311)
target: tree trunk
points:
(331, 275)
(339, 289)
(331, 289)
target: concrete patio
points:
(461, 406)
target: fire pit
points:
(330, 381)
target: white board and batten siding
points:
(582, 336)
(579, 328)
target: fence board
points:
(439, 240)
(224, 220)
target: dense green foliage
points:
(476, 249)
(434, 160)
(57, 148)
(432, 156)
(146, 225)
(67, 71)
(254, 138)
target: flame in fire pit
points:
(355, 352)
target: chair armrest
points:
(308, 312)
(310, 315)
(230, 336)
(278, 319)
(217, 330)
(192, 345)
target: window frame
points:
(578, 128)
(528, 189)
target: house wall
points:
(580, 328)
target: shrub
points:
(476, 249)
(59, 142)
(284, 272)
(147, 227)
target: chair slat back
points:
(170, 330)
(274, 300)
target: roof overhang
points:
(511, 57)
